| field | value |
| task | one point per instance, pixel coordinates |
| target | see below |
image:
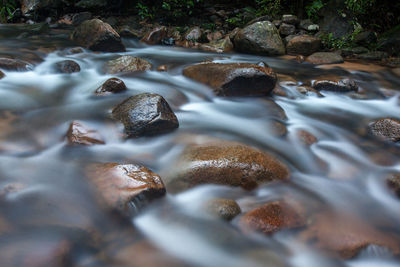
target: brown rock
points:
(277, 128)
(14, 64)
(97, 35)
(193, 34)
(393, 182)
(226, 209)
(387, 129)
(155, 36)
(303, 45)
(321, 58)
(79, 134)
(125, 187)
(67, 66)
(308, 91)
(234, 79)
(127, 64)
(220, 46)
(225, 163)
(272, 217)
(287, 29)
(306, 137)
(162, 68)
(2, 75)
(145, 115)
(345, 235)
(335, 85)
(111, 86)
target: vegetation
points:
(7, 8)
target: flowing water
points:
(44, 193)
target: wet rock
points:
(75, 50)
(277, 128)
(387, 129)
(162, 68)
(290, 19)
(373, 55)
(226, 209)
(233, 79)
(233, 34)
(335, 85)
(287, 29)
(145, 115)
(320, 58)
(224, 163)
(127, 64)
(303, 45)
(97, 35)
(306, 138)
(67, 66)
(308, 91)
(393, 182)
(2, 75)
(345, 235)
(193, 34)
(155, 36)
(111, 86)
(221, 46)
(79, 134)
(214, 36)
(259, 38)
(274, 110)
(14, 64)
(125, 187)
(272, 217)
(79, 18)
(354, 51)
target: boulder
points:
(290, 19)
(373, 55)
(79, 134)
(345, 235)
(145, 115)
(390, 43)
(386, 129)
(335, 85)
(127, 64)
(346, 52)
(67, 66)
(224, 163)
(193, 34)
(234, 79)
(124, 187)
(14, 64)
(97, 35)
(303, 45)
(287, 29)
(79, 18)
(111, 86)
(320, 58)
(272, 217)
(260, 38)
(226, 209)
(155, 36)
(365, 38)
(220, 46)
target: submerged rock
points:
(321, 58)
(393, 182)
(260, 38)
(125, 187)
(343, 85)
(226, 209)
(127, 64)
(304, 45)
(145, 115)
(345, 235)
(272, 217)
(224, 163)
(79, 134)
(67, 66)
(386, 129)
(111, 86)
(97, 35)
(14, 64)
(234, 79)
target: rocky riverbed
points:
(120, 151)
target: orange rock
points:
(79, 134)
(155, 36)
(125, 186)
(162, 68)
(272, 217)
(306, 138)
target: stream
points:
(46, 200)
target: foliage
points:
(360, 7)
(268, 7)
(144, 11)
(7, 8)
(313, 8)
